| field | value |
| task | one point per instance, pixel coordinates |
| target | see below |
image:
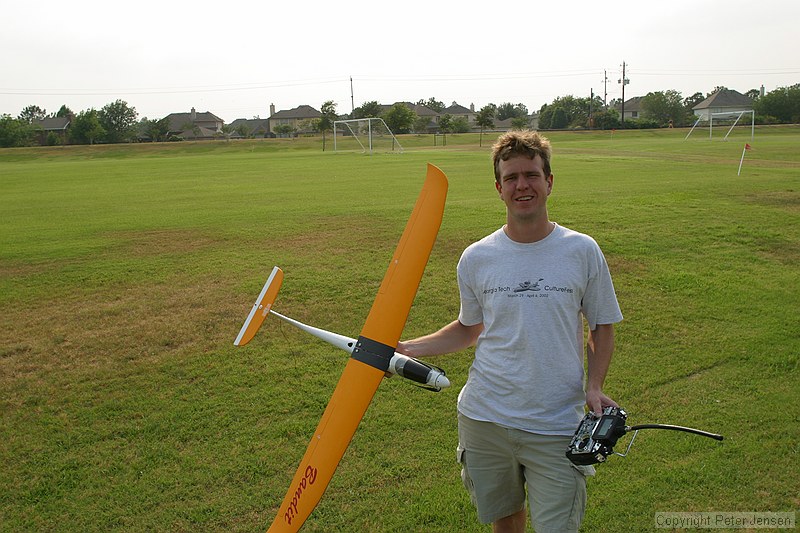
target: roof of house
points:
(631, 105)
(419, 110)
(199, 133)
(457, 109)
(252, 123)
(53, 123)
(253, 126)
(177, 121)
(300, 112)
(725, 98)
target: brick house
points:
(194, 125)
(298, 118)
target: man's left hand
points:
(596, 401)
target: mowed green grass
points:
(127, 271)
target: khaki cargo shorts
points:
(498, 464)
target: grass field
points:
(126, 272)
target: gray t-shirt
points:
(531, 298)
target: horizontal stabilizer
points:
(261, 308)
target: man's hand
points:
(596, 401)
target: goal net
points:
(367, 135)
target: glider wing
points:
(370, 358)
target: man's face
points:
(524, 187)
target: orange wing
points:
(370, 358)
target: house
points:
(298, 118)
(194, 125)
(51, 129)
(460, 112)
(423, 112)
(633, 108)
(723, 101)
(242, 128)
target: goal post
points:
(752, 123)
(722, 116)
(372, 131)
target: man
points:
(525, 291)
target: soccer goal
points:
(367, 134)
(728, 116)
(721, 118)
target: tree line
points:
(118, 122)
(662, 109)
(113, 123)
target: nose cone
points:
(440, 382)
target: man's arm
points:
(598, 355)
(453, 337)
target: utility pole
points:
(591, 102)
(624, 81)
(352, 102)
(605, 88)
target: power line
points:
(166, 90)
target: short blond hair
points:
(521, 142)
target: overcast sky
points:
(235, 58)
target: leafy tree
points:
(421, 124)
(119, 121)
(284, 129)
(311, 125)
(783, 104)
(664, 107)
(244, 131)
(53, 139)
(64, 111)
(560, 119)
(445, 126)
(157, 130)
(32, 113)
(460, 125)
(753, 94)
(520, 123)
(400, 118)
(446, 123)
(86, 128)
(371, 109)
(509, 110)
(485, 120)
(433, 103)
(606, 119)
(566, 111)
(327, 119)
(690, 101)
(15, 132)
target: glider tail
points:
(261, 308)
